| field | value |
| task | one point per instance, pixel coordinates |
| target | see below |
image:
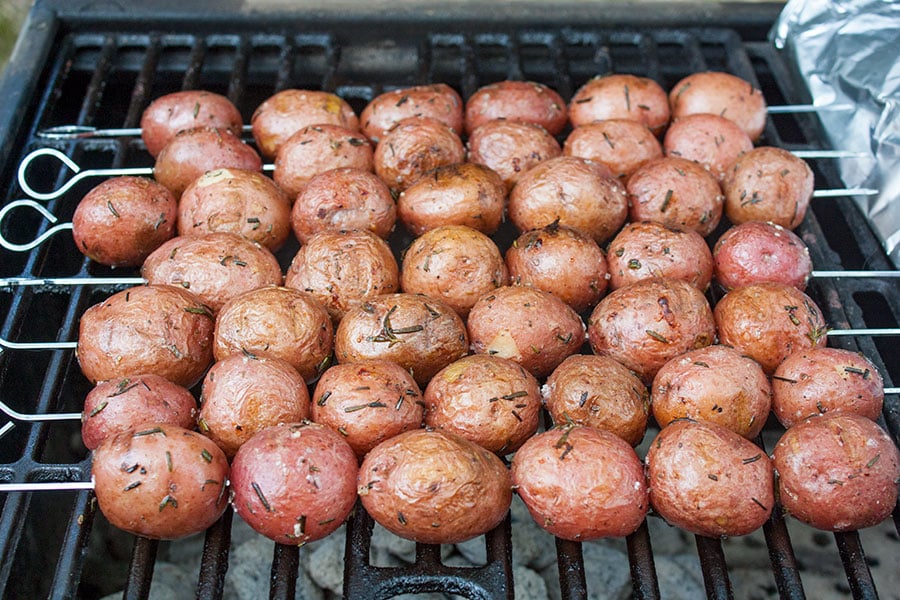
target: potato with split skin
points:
(511, 148)
(722, 94)
(414, 147)
(621, 96)
(619, 144)
(713, 141)
(437, 101)
(756, 252)
(189, 109)
(517, 102)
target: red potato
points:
(316, 149)
(436, 101)
(837, 472)
(720, 94)
(713, 141)
(154, 329)
(581, 483)
(434, 487)
(288, 111)
(821, 380)
(160, 481)
(122, 220)
(295, 482)
(756, 252)
(511, 148)
(621, 96)
(188, 109)
(768, 322)
(414, 147)
(517, 101)
(619, 144)
(236, 201)
(708, 480)
(123, 403)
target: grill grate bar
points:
(643, 569)
(715, 570)
(570, 562)
(284, 572)
(214, 564)
(74, 548)
(140, 570)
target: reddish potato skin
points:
(821, 380)
(645, 324)
(621, 145)
(295, 482)
(768, 322)
(214, 267)
(517, 101)
(316, 149)
(160, 481)
(459, 194)
(236, 201)
(621, 97)
(242, 395)
(756, 252)
(598, 392)
(343, 199)
(715, 384)
(720, 94)
(154, 329)
(538, 257)
(713, 141)
(511, 148)
(837, 472)
(368, 402)
(122, 403)
(708, 480)
(122, 220)
(189, 109)
(437, 101)
(434, 487)
(288, 111)
(649, 249)
(414, 147)
(488, 400)
(581, 483)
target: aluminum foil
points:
(848, 52)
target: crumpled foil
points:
(848, 52)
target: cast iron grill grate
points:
(104, 77)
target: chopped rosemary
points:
(98, 408)
(666, 201)
(131, 486)
(112, 208)
(148, 432)
(656, 336)
(168, 500)
(752, 459)
(206, 456)
(323, 398)
(169, 464)
(261, 496)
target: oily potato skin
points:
(122, 403)
(414, 147)
(708, 480)
(837, 472)
(288, 111)
(581, 483)
(316, 149)
(434, 487)
(755, 252)
(437, 101)
(167, 115)
(511, 148)
(826, 380)
(517, 101)
(720, 94)
(619, 144)
(123, 219)
(156, 329)
(621, 96)
(160, 481)
(294, 483)
(713, 141)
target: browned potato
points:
(621, 96)
(713, 141)
(821, 380)
(215, 267)
(343, 269)
(619, 144)
(716, 384)
(368, 402)
(236, 201)
(645, 324)
(154, 329)
(434, 487)
(598, 392)
(517, 101)
(581, 483)
(768, 184)
(488, 400)
(769, 321)
(511, 148)
(189, 109)
(569, 191)
(122, 403)
(295, 482)
(276, 321)
(649, 249)
(421, 334)
(677, 193)
(288, 111)
(708, 480)
(437, 101)
(122, 220)
(560, 260)
(837, 472)
(160, 481)
(243, 394)
(721, 94)
(755, 252)
(316, 149)
(414, 147)
(459, 194)
(454, 263)
(343, 199)
(526, 325)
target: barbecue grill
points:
(90, 63)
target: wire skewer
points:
(83, 132)
(47, 486)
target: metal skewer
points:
(808, 108)
(47, 486)
(82, 132)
